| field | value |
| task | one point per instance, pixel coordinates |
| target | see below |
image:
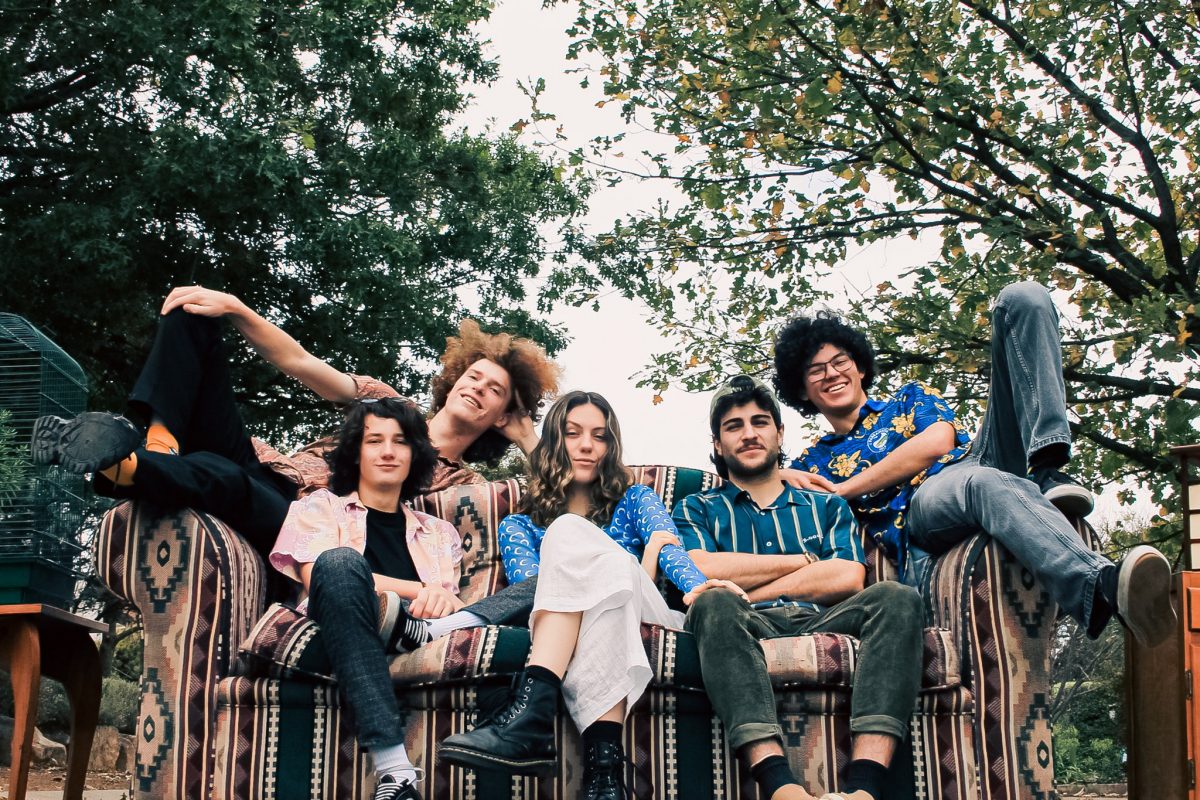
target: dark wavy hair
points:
(740, 397)
(551, 472)
(343, 458)
(800, 340)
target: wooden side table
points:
(37, 639)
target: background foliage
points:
(1050, 140)
(300, 155)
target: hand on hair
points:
(808, 481)
(519, 429)
(434, 602)
(714, 583)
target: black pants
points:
(185, 383)
(512, 605)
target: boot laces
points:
(605, 769)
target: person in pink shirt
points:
(356, 542)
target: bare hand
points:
(808, 481)
(434, 602)
(660, 539)
(519, 429)
(714, 583)
(201, 301)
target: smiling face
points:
(833, 382)
(384, 457)
(586, 438)
(479, 399)
(748, 440)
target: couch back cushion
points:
(476, 510)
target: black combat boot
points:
(604, 771)
(519, 739)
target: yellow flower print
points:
(869, 420)
(844, 465)
(903, 424)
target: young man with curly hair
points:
(197, 452)
(919, 485)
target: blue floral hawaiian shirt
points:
(638, 515)
(884, 425)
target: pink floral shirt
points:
(322, 521)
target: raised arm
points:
(269, 340)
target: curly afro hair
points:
(800, 340)
(533, 375)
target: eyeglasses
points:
(842, 362)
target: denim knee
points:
(900, 604)
(1025, 296)
(342, 567)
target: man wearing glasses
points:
(919, 485)
(189, 447)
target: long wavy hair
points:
(343, 458)
(551, 473)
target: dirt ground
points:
(50, 778)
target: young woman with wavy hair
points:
(594, 540)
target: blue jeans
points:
(343, 602)
(1026, 421)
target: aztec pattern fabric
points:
(199, 588)
(284, 644)
(213, 725)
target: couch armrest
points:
(199, 588)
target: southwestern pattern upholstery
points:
(237, 700)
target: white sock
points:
(459, 619)
(394, 761)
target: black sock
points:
(544, 675)
(602, 732)
(1104, 601)
(772, 774)
(865, 775)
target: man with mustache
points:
(799, 557)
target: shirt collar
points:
(871, 406)
(790, 496)
(413, 522)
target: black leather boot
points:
(518, 739)
(604, 771)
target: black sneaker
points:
(388, 788)
(1143, 600)
(90, 442)
(1064, 492)
(401, 631)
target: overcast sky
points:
(608, 347)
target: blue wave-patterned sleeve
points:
(519, 542)
(651, 515)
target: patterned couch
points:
(236, 700)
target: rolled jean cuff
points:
(878, 723)
(743, 735)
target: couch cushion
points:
(284, 644)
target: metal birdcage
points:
(41, 513)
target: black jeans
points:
(185, 382)
(342, 600)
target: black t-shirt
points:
(387, 546)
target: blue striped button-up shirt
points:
(727, 520)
